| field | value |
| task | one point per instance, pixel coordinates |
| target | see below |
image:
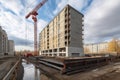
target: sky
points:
(101, 19)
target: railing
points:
(12, 73)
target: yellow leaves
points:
(113, 46)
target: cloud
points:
(41, 25)
(21, 48)
(12, 20)
(22, 44)
(12, 5)
(102, 21)
(77, 4)
(60, 6)
(20, 41)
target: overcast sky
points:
(101, 19)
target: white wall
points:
(75, 50)
(11, 47)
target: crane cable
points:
(26, 24)
(25, 28)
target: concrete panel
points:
(72, 50)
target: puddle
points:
(30, 71)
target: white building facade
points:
(11, 48)
(4, 43)
(96, 48)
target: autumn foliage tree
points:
(113, 46)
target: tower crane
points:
(34, 14)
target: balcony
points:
(69, 30)
(65, 31)
(69, 25)
(65, 15)
(65, 37)
(66, 27)
(65, 43)
(69, 14)
(68, 19)
(65, 20)
(82, 28)
(66, 10)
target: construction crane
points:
(34, 14)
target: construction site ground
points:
(108, 72)
(5, 65)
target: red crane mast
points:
(34, 14)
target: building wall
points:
(103, 48)
(1, 51)
(75, 51)
(11, 48)
(4, 43)
(63, 33)
(96, 48)
(76, 29)
(119, 43)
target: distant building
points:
(103, 48)
(63, 35)
(119, 43)
(4, 43)
(1, 44)
(11, 48)
(96, 48)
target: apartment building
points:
(112, 47)
(4, 42)
(11, 48)
(1, 40)
(63, 35)
(118, 43)
(96, 48)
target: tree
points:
(118, 47)
(113, 46)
